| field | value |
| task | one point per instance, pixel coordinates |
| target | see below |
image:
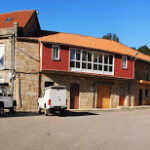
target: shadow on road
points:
(66, 114)
(76, 114)
(19, 114)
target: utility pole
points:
(12, 63)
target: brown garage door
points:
(103, 97)
(74, 96)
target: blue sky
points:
(129, 19)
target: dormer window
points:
(124, 62)
(56, 51)
(8, 19)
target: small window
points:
(146, 93)
(56, 50)
(48, 83)
(100, 58)
(95, 57)
(124, 62)
(78, 55)
(72, 54)
(110, 59)
(84, 56)
(8, 19)
(2, 47)
(106, 59)
(89, 56)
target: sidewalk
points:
(119, 108)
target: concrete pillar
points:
(132, 89)
(17, 91)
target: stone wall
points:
(27, 67)
(145, 100)
(88, 88)
(27, 57)
(26, 91)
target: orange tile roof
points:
(90, 43)
(21, 17)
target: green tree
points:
(111, 36)
(144, 49)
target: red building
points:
(98, 73)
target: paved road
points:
(97, 130)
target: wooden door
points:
(103, 97)
(122, 96)
(121, 100)
(74, 96)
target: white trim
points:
(126, 62)
(57, 59)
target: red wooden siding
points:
(63, 63)
(123, 73)
(49, 64)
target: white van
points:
(7, 101)
(53, 99)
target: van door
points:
(58, 96)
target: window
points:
(146, 92)
(56, 52)
(48, 83)
(2, 47)
(124, 62)
(8, 19)
(90, 61)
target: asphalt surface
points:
(96, 130)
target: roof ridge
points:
(17, 11)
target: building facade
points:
(97, 73)
(19, 60)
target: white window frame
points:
(126, 66)
(92, 63)
(3, 66)
(58, 58)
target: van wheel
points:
(46, 111)
(39, 109)
(13, 109)
(1, 110)
(62, 112)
